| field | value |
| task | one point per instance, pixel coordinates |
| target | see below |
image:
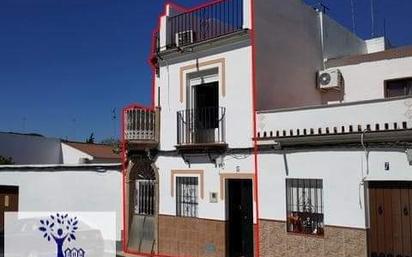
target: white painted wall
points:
(342, 173)
(67, 190)
(238, 100)
(399, 168)
(377, 45)
(72, 155)
(366, 80)
(206, 209)
(25, 149)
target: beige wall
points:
(288, 54)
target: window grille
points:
(186, 196)
(145, 196)
(304, 200)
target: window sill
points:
(306, 235)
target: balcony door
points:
(205, 112)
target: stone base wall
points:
(194, 237)
(337, 242)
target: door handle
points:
(6, 201)
(405, 211)
(380, 210)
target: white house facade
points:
(49, 174)
(273, 131)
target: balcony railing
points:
(141, 125)
(202, 126)
(205, 23)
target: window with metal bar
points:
(144, 200)
(304, 205)
(186, 196)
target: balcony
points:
(201, 129)
(205, 23)
(141, 127)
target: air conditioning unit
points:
(330, 79)
(184, 37)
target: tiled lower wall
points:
(194, 237)
(337, 242)
(181, 236)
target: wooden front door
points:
(390, 230)
(240, 227)
(8, 201)
(9, 197)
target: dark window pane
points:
(400, 87)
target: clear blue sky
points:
(65, 64)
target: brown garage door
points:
(9, 197)
(390, 229)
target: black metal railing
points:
(201, 126)
(208, 22)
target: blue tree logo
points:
(59, 227)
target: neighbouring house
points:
(50, 174)
(273, 131)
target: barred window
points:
(144, 200)
(304, 200)
(186, 196)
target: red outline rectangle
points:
(152, 108)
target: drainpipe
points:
(365, 149)
(322, 38)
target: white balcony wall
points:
(247, 14)
(375, 112)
